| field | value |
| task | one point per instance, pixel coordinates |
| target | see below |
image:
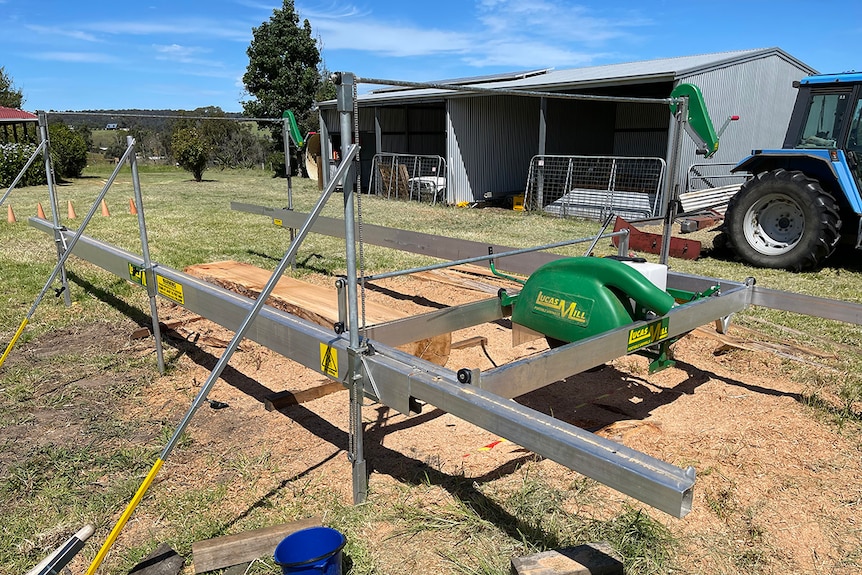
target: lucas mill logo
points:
(576, 310)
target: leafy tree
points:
(190, 151)
(283, 70)
(68, 151)
(9, 96)
(231, 144)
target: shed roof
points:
(664, 69)
(17, 116)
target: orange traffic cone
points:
(105, 211)
(10, 215)
(133, 209)
(40, 212)
(72, 215)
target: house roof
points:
(664, 69)
(17, 116)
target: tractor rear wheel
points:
(783, 219)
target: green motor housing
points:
(576, 298)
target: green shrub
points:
(13, 157)
(190, 151)
(68, 151)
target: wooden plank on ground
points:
(231, 550)
(474, 341)
(281, 399)
(588, 559)
(313, 303)
(147, 331)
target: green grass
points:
(476, 529)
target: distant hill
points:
(156, 120)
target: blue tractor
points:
(803, 199)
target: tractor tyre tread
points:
(811, 252)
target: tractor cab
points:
(828, 115)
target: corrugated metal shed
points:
(487, 140)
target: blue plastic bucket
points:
(315, 550)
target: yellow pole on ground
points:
(12, 343)
(130, 508)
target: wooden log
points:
(311, 302)
(232, 550)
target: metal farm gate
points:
(594, 186)
(409, 176)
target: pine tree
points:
(283, 60)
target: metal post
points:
(325, 151)
(344, 83)
(671, 184)
(540, 168)
(287, 170)
(150, 277)
(52, 198)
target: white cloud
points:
(63, 31)
(387, 39)
(501, 33)
(202, 28)
(76, 57)
(555, 22)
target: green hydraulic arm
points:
(698, 125)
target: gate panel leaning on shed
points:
(760, 91)
(489, 144)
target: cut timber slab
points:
(589, 559)
(232, 550)
(311, 302)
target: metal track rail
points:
(405, 382)
(441, 247)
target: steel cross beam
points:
(405, 382)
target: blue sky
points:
(152, 54)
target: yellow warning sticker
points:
(137, 275)
(277, 222)
(170, 289)
(329, 360)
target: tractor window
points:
(854, 144)
(854, 139)
(823, 124)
